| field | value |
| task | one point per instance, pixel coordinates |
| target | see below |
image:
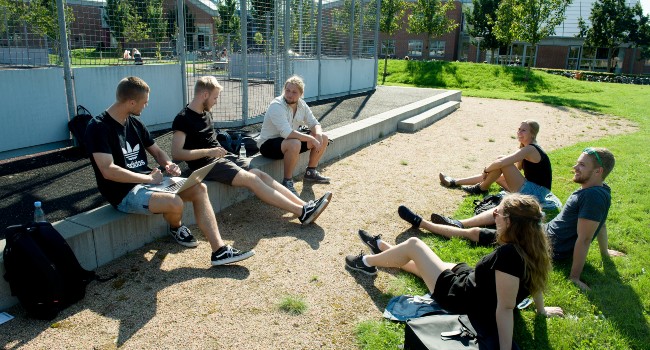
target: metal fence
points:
(250, 46)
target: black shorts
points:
(226, 168)
(272, 148)
(451, 290)
(487, 237)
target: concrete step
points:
(101, 235)
(427, 118)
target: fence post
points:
(351, 42)
(180, 46)
(377, 19)
(276, 32)
(67, 66)
(243, 23)
(319, 38)
(287, 39)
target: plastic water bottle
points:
(242, 150)
(39, 214)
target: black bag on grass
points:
(42, 270)
(488, 202)
(446, 332)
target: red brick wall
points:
(552, 56)
(402, 37)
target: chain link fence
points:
(250, 46)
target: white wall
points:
(34, 109)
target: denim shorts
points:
(136, 201)
(535, 190)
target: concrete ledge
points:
(427, 118)
(104, 234)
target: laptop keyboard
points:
(176, 186)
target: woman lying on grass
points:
(488, 293)
(506, 170)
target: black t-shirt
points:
(126, 143)
(541, 172)
(199, 134)
(506, 259)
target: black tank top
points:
(540, 172)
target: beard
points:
(206, 108)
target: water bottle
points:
(39, 214)
(242, 150)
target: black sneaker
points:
(227, 254)
(474, 189)
(183, 236)
(409, 216)
(443, 220)
(355, 262)
(370, 241)
(447, 181)
(312, 210)
(314, 176)
(289, 185)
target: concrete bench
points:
(101, 235)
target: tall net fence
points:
(249, 45)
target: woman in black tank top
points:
(506, 170)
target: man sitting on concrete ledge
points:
(571, 232)
(280, 138)
(195, 141)
(117, 142)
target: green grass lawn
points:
(615, 314)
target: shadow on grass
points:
(131, 298)
(562, 102)
(431, 73)
(616, 300)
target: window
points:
(647, 62)
(368, 48)
(574, 57)
(436, 48)
(415, 48)
(388, 48)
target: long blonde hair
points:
(525, 233)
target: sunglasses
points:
(592, 152)
(496, 213)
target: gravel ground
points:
(168, 297)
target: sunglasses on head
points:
(591, 151)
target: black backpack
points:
(42, 270)
(488, 202)
(77, 126)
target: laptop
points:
(177, 184)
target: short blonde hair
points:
(206, 83)
(297, 81)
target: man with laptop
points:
(195, 141)
(117, 142)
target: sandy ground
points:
(168, 296)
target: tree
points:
(534, 20)
(392, 18)
(228, 21)
(190, 27)
(40, 15)
(481, 20)
(157, 22)
(613, 23)
(430, 17)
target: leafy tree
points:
(430, 17)
(614, 23)
(190, 26)
(481, 20)
(157, 22)
(503, 26)
(534, 20)
(228, 21)
(40, 15)
(392, 19)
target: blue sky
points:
(646, 6)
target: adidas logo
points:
(131, 153)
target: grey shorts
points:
(227, 168)
(136, 201)
(535, 190)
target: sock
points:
(378, 243)
(310, 168)
(363, 259)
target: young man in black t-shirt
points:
(195, 141)
(117, 142)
